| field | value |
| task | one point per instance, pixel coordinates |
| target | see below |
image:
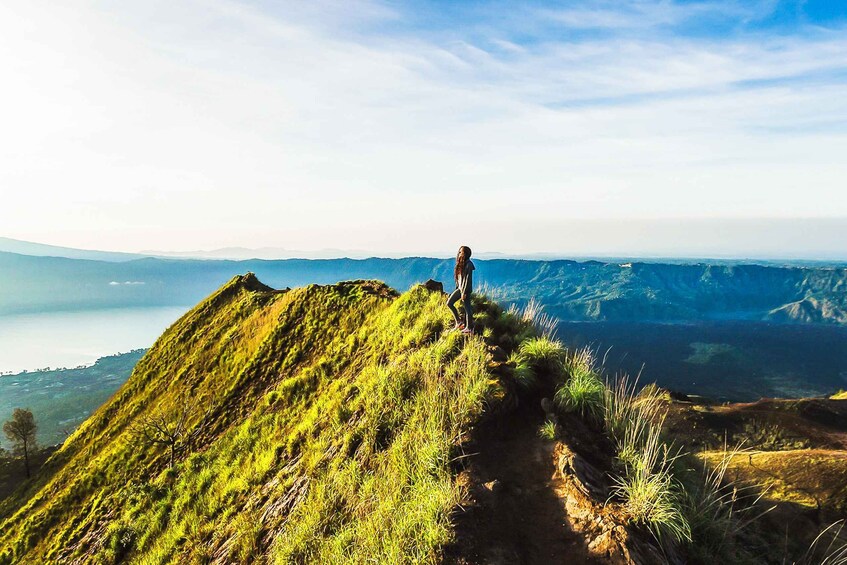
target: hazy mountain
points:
(570, 290)
(42, 250)
(268, 253)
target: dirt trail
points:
(515, 515)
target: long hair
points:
(461, 260)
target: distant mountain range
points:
(41, 250)
(570, 290)
(273, 253)
(268, 253)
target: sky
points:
(705, 128)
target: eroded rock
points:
(433, 286)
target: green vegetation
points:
(582, 391)
(326, 423)
(653, 480)
(650, 490)
(21, 430)
(335, 452)
(647, 484)
(547, 430)
(62, 399)
(543, 355)
(718, 507)
(522, 372)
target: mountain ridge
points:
(569, 290)
(291, 377)
(349, 423)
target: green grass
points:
(583, 391)
(533, 314)
(336, 413)
(547, 430)
(544, 355)
(650, 491)
(718, 507)
(522, 373)
(647, 483)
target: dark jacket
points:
(465, 282)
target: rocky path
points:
(514, 514)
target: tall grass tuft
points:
(718, 508)
(546, 356)
(630, 414)
(582, 391)
(547, 430)
(834, 553)
(533, 313)
(523, 373)
(650, 491)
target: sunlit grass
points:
(582, 390)
(337, 413)
(545, 356)
(547, 430)
(652, 494)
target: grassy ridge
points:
(338, 451)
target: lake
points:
(723, 360)
(69, 339)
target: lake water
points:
(69, 339)
(722, 360)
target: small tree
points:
(21, 432)
(171, 429)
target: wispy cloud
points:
(644, 14)
(216, 123)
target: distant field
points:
(737, 361)
(63, 398)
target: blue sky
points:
(415, 126)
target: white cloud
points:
(205, 124)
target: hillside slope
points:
(337, 451)
(348, 424)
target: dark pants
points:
(451, 304)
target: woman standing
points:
(463, 274)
